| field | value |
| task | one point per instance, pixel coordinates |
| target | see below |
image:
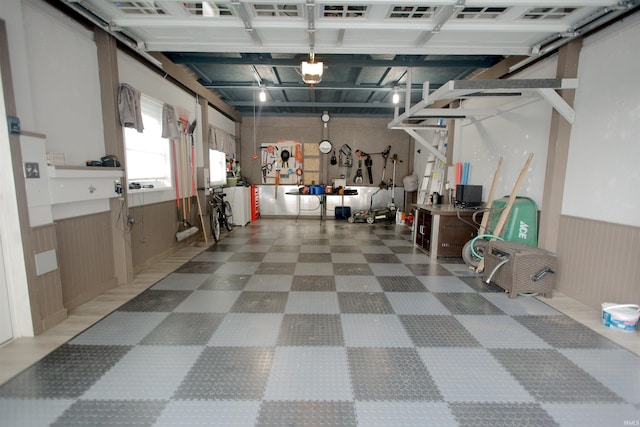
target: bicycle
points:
(220, 214)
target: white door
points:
(6, 329)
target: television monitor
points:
(468, 195)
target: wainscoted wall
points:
(45, 291)
(153, 234)
(598, 261)
(85, 257)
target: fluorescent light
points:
(396, 97)
(263, 95)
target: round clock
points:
(325, 117)
(325, 146)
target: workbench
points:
(322, 198)
(443, 230)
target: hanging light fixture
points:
(263, 94)
(312, 71)
(396, 96)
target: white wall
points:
(512, 134)
(63, 76)
(603, 179)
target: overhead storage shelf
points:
(464, 89)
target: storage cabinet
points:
(443, 230)
(240, 200)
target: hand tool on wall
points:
(346, 150)
(368, 163)
(385, 157)
(358, 178)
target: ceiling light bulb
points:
(263, 95)
(395, 98)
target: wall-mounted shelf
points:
(79, 190)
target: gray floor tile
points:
(428, 270)
(313, 269)
(416, 303)
(443, 284)
(382, 258)
(145, 373)
(280, 256)
(208, 302)
(181, 282)
(31, 412)
(320, 373)
(227, 373)
(471, 374)
(225, 282)
(111, 412)
(260, 302)
(247, 257)
(405, 414)
(238, 268)
(278, 268)
(348, 258)
(307, 414)
(269, 282)
(120, 328)
(390, 374)
(401, 284)
(618, 369)
(184, 329)
(248, 330)
(498, 414)
(199, 267)
(226, 413)
(312, 302)
(437, 331)
(467, 303)
(374, 330)
(563, 332)
(354, 283)
(500, 332)
(152, 300)
(521, 306)
(313, 283)
(65, 373)
(550, 377)
(391, 270)
(593, 414)
(311, 330)
(352, 269)
(364, 303)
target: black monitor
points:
(468, 196)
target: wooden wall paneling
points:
(85, 257)
(598, 261)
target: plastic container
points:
(622, 317)
(522, 223)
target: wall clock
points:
(325, 146)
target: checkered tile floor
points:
(302, 324)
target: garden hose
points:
(482, 236)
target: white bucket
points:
(623, 317)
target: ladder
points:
(433, 178)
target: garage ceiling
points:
(370, 49)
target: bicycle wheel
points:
(214, 219)
(228, 216)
